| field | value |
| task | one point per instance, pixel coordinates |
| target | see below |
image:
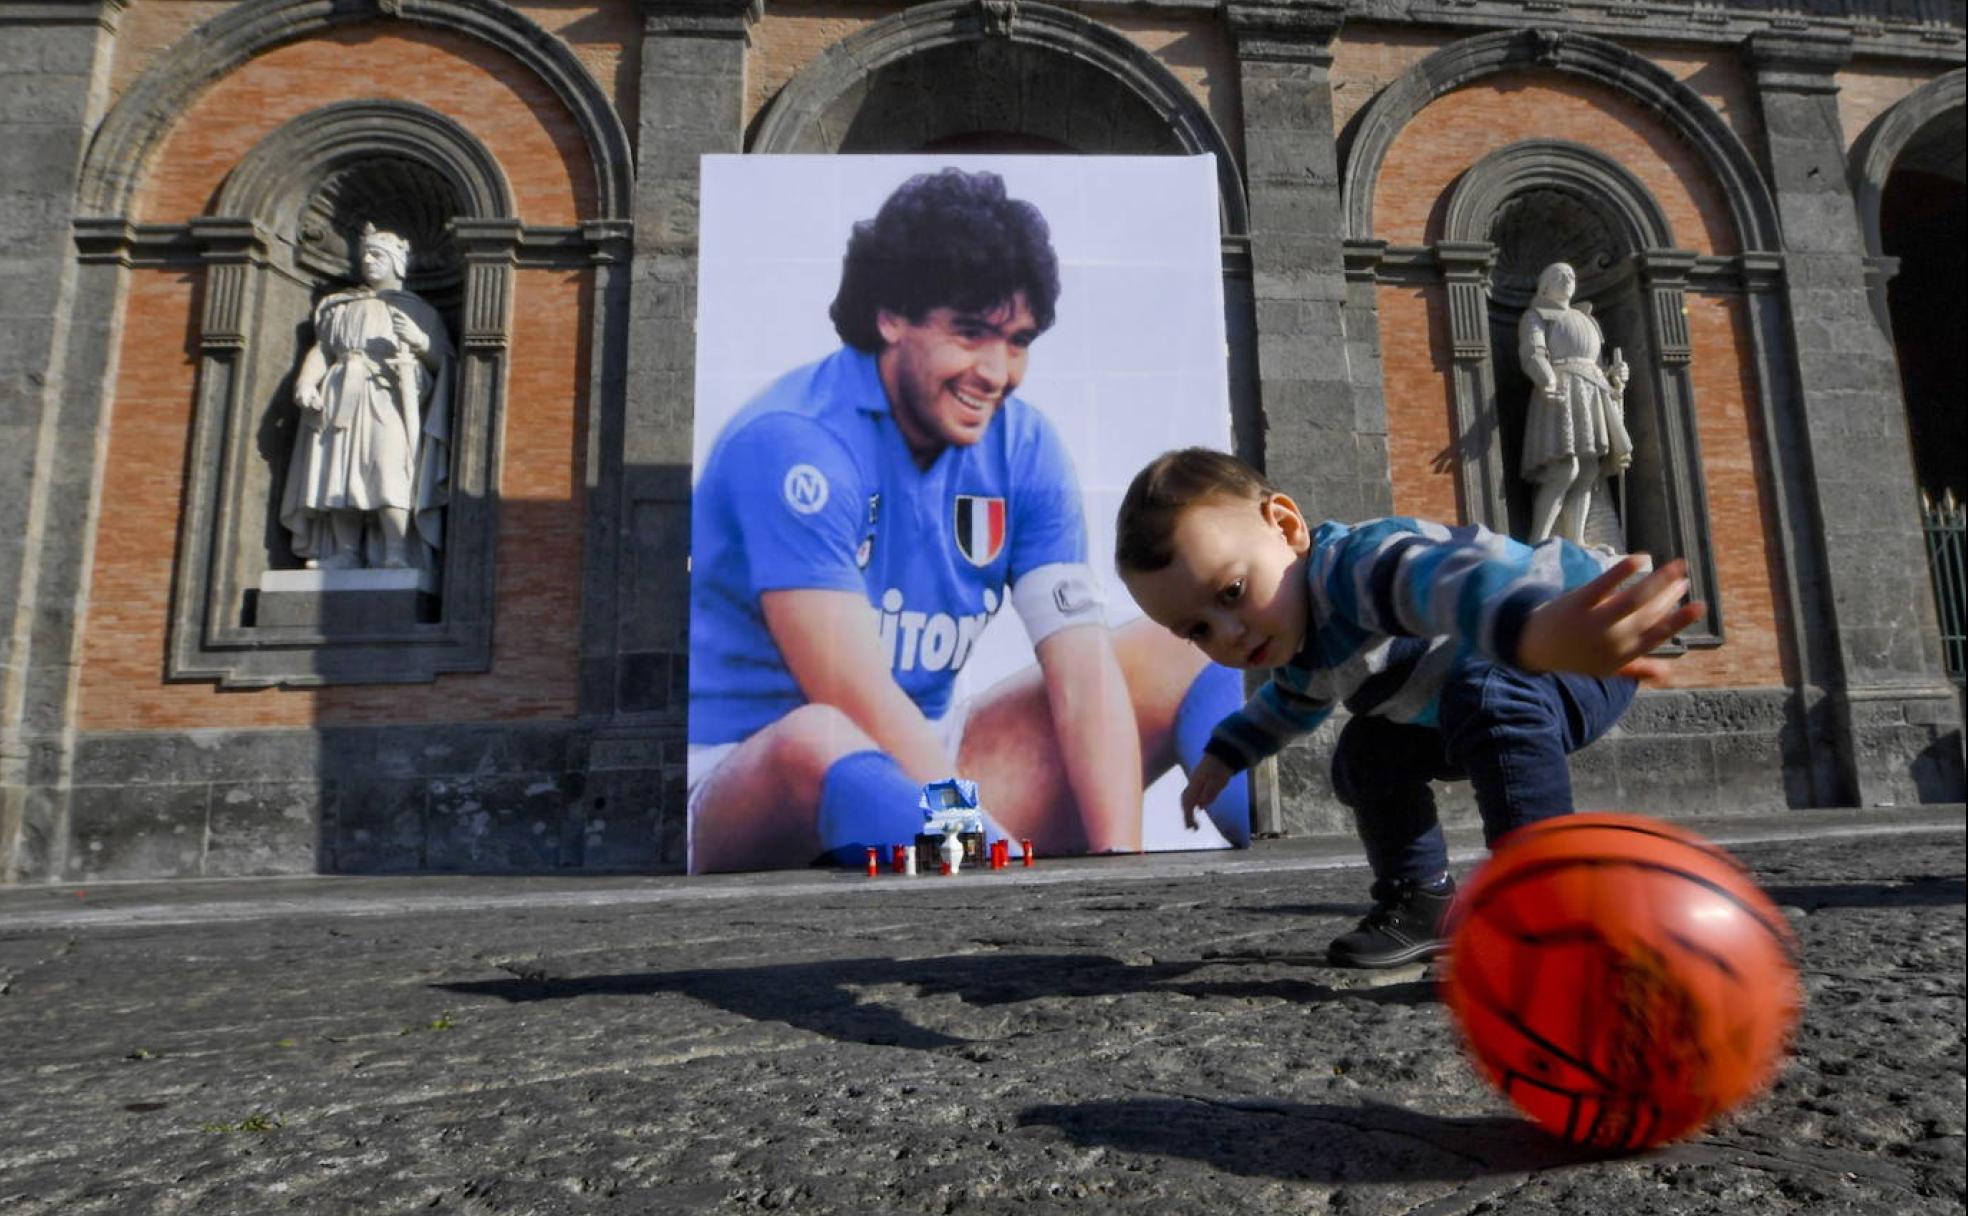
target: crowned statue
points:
(368, 479)
(1575, 435)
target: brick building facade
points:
(1748, 185)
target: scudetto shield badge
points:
(980, 528)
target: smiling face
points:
(947, 374)
(1236, 585)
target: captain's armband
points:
(1058, 596)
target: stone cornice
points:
(1879, 28)
(1284, 32)
(701, 18)
(104, 13)
(1794, 61)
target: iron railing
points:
(1945, 523)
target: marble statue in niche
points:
(368, 479)
(1575, 437)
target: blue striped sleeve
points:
(1274, 716)
(1403, 577)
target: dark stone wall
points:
(375, 800)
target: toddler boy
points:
(1460, 654)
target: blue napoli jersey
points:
(811, 486)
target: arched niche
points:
(283, 236)
(273, 240)
(1514, 212)
(934, 74)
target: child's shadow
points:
(1313, 1142)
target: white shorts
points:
(703, 759)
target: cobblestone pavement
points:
(1127, 1034)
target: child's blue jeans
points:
(1504, 730)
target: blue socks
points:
(867, 801)
(1217, 692)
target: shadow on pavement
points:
(1929, 891)
(1313, 1142)
(826, 996)
(1351, 910)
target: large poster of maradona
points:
(923, 383)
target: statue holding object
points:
(1574, 431)
(368, 479)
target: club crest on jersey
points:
(980, 528)
(804, 489)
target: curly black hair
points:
(945, 240)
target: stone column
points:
(635, 637)
(692, 103)
(54, 62)
(1323, 422)
(1318, 442)
(1894, 712)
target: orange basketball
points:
(1621, 980)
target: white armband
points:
(1053, 597)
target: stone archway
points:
(1908, 182)
(936, 75)
(1681, 109)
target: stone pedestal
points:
(346, 601)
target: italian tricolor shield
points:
(980, 528)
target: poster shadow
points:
(827, 997)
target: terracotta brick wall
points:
(148, 28)
(1460, 128)
(1869, 88)
(1415, 368)
(538, 556)
(603, 37)
(1199, 54)
(1742, 523)
(607, 39)
(1367, 58)
(514, 114)
(1720, 78)
(788, 38)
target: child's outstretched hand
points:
(1604, 629)
(1206, 781)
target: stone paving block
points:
(1121, 1035)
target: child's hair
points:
(1144, 531)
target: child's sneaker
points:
(1405, 926)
